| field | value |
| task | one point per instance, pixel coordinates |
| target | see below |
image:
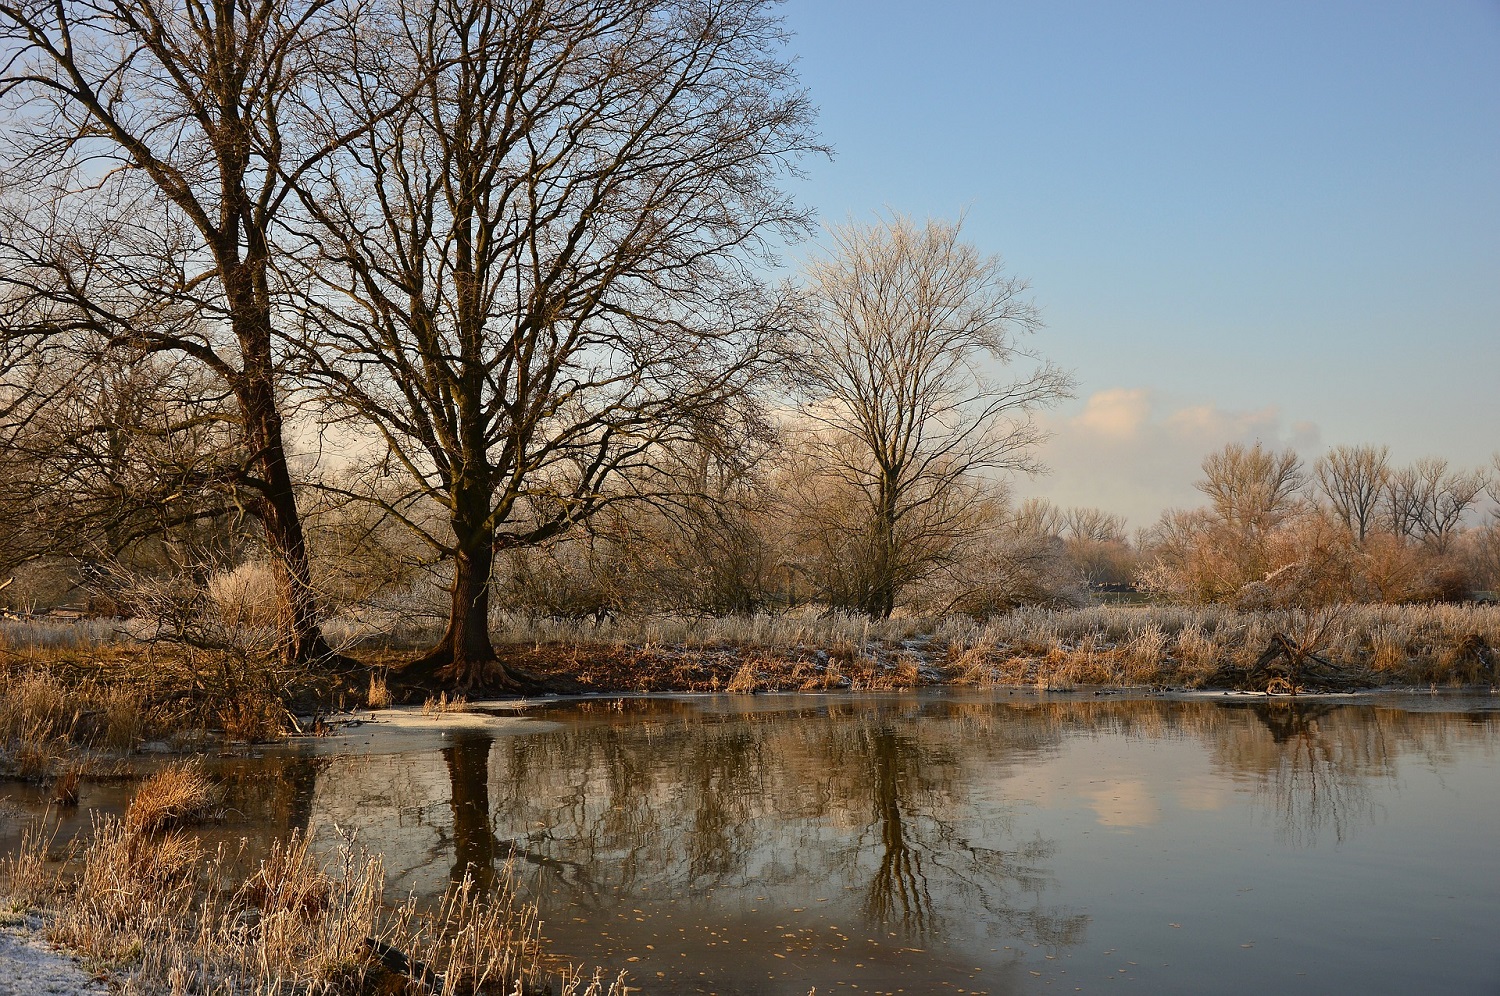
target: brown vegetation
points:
(1218, 647)
(179, 795)
(158, 913)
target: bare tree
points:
(907, 318)
(108, 456)
(1097, 548)
(1427, 501)
(148, 150)
(1493, 486)
(1038, 517)
(1252, 489)
(1354, 479)
(1094, 525)
(539, 267)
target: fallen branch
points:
(1286, 667)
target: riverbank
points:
(1122, 646)
(74, 699)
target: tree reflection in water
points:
(474, 850)
(897, 810)
(899, 885)
(875, 797)
(1315, 763)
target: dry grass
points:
(801, 628)
(151, 907)
(28, 878)
(127, 693)
(1192, 647)
(744, 679)
(57, 717)
(441, 703)
(59, 634)
(178, 795)
(379, 695)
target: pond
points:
(991, 842)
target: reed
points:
(157, 913)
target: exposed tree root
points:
(439, 671)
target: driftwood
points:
(1286, 667)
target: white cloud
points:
(1126, 450)
(1118, 412)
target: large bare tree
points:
(150, 150)
(911, 325)
(540, 272)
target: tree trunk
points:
(465, 657)
(301, 636)
(302, 639)
(468, 656)
(882, 597)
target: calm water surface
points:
(982, 843)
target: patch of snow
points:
(29, 966)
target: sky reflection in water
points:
(946, 843)
(989, 843)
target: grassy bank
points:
(1165, 646)
(66, 687)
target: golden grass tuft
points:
(378, 696)
(178, 795)
(437, 705)
(745, 680)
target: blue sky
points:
(1241, 220)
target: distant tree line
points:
(1354, 528)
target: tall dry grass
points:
(160, 914)
(806, 627)
(1191, 646)
(69, 634)
(49, 723)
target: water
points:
(986, 842)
